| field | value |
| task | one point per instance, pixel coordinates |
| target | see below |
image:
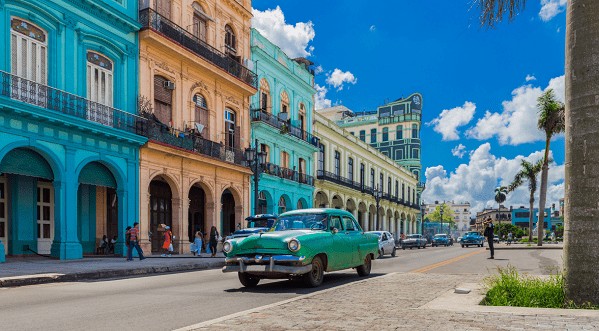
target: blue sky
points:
(479, 85)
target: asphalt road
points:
(170, 301)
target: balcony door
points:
(200, 24)
(3, 214)
(45, 217)
(99, 88)
(29, 57)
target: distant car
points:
(472, 238)
(386, 243)
(413, 240)
(442, 239)
(255, 224)
(496, 239)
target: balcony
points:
(55, 100)
(259, 115)
(190, 141)
(152, 20)
(289, 174)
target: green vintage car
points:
(302, 244)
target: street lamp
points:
(256, 161)
(422, 217)
(378, 194)
(441, 212)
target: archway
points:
(227, 201)
(371, 218)
(362, 215)
(350, 206)
(321, 200)
(403, 224)
(265, 203)
(389, 221)
(196, 214)
(302, 204)
(161, 211)
(284, 204)
(337, 202)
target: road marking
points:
(446, 262)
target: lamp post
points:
(422, 217)
(378, 194)
(441, 212)
(256, 161)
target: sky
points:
(480, 86)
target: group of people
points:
(203, 243)
(106, 246)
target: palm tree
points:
(551, 120)
(500, 195)
(528, 173)
(581, 269)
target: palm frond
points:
(493, 11)
(551, 114)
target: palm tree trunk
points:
(581, 231)
(543, 194)
(530, 215)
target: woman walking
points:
(168, 241)
(213, 240)
(197, 244)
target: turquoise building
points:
(281, 115)
(69, 151)
(520, 217)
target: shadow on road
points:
(297, 286)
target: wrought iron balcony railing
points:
(190, 141)
(289, 174)
(152, 20)
(283, 126)
(52, 99)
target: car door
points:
(354, 235)
(341, 252)
(390, 243)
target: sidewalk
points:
(20, 271)
(402, 301)
(556, 245)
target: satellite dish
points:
(199, 127)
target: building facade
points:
(355, 176)
(520, 217)
(498, 215)
(461, 213)
(68, 144)
(195, 94)
(281, 116)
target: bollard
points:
(2, 252)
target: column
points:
(176, 227)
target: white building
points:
(461, 212)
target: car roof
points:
(328, 211)
(261, 217)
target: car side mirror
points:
(334, 230)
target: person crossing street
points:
(489, 233)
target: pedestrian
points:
(510, 237)
(133, 234)
(196, 246)
(167, 244)
(489, 234)
(208, 250)
(214, 238)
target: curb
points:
(526, 247)
(102, 274)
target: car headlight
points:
(294, 245)
(227, 247)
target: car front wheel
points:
(393, 252)
(248, 280)
(315, 276)
(364, 269)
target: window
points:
(321, 158)
(352, 133)
(285, 160)
(231, 129)
(403, 191)
(385, 134)
(200, 22)
(415, 153)
(348, 224)
(399, 132)
(266, 150)
(163, 7)
(350, 169)
(389, 185)
(99, 88)
(230, 41)
(363, 135)
(362, 174)
(262, 204)
(300, 205)
(372, 177)
(336, 223)
(396, 188)
(282, 205)
(202, 115)
(414, 130)
(302, 170)
(372, 135)
(265, 96)
(337, 163)
(163, 99)
(302, 117)
(381, 182)
(284, 105)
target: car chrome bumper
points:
(266, 264)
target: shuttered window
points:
(231, 129)
(200, 23)
(163, 98)
(201, 113)
(230, 40)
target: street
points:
(171, 301)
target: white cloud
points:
(530, 77)
(292, 39)
(517, 123)
(338, 78)
(459, 151)
(476, 181)
(448, 122)
(318, 70)
(550, 8)
(372, 28)
(320, 99)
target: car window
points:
(336, 223)
(357, 225)
(384, 236)
(348, 224)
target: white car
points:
(386, 243)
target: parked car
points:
(413, 240)
(386, 243)
(442, 239)
(302, 244)
(472, 238)
(255, 224)
(496, 239)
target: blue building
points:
(520, 217)
(282, 124)
(68, 143)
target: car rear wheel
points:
(315, 276)
(248, 280)
(381, 253)
(364, 269)
(393, 252)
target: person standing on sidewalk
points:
(133, 242)
(510, 237)
(490, 235)
(167, 245)
(213, 240)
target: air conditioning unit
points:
(169, 85)
(199, 127)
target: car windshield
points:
(298, 222)
(260, 223)
(472, 234)
(440, 235)
(413, 236)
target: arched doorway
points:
(337, 202)
(371, 217)
(321, 200)
(264, 203)
(362, 215)
(161, 211)
(27, 206)
(284, 204)
(302, 204)
(196, 215)
(228, 213)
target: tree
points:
(435, 216)
(551, 120)
(581, 231)
(500, 195)
(528, 172)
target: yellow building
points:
(194, 92)
(352, 175)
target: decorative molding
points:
(231, 99)
(164, 67)
(98, 10)
(201, 85)
(69, 21)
